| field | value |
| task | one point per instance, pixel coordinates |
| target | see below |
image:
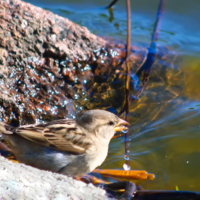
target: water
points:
(165, 140)
(126, 167)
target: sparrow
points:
(66, 146)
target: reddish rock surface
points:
(27, 31)
(51, 68)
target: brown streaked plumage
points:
(71, 147)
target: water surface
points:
(165, 140)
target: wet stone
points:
(53, 68)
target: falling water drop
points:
(126, 157)
(126, 167)
(125, 131)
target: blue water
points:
(165, 139)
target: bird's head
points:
(102, 123)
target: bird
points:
(72, 147)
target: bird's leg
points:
(126, 174)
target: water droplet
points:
(125, 131)
(187, 162)
(126, 167)
(75, 96)
(126, 157)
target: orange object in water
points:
(126, 174)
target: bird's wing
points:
(62, 135)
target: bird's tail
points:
(5, 129)
(2, 127)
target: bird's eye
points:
(111, 123)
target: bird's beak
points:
(122, 125)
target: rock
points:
(19, 181)
(52, 68)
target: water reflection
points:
(165, 120)
(168, 147)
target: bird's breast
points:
(97, 156)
